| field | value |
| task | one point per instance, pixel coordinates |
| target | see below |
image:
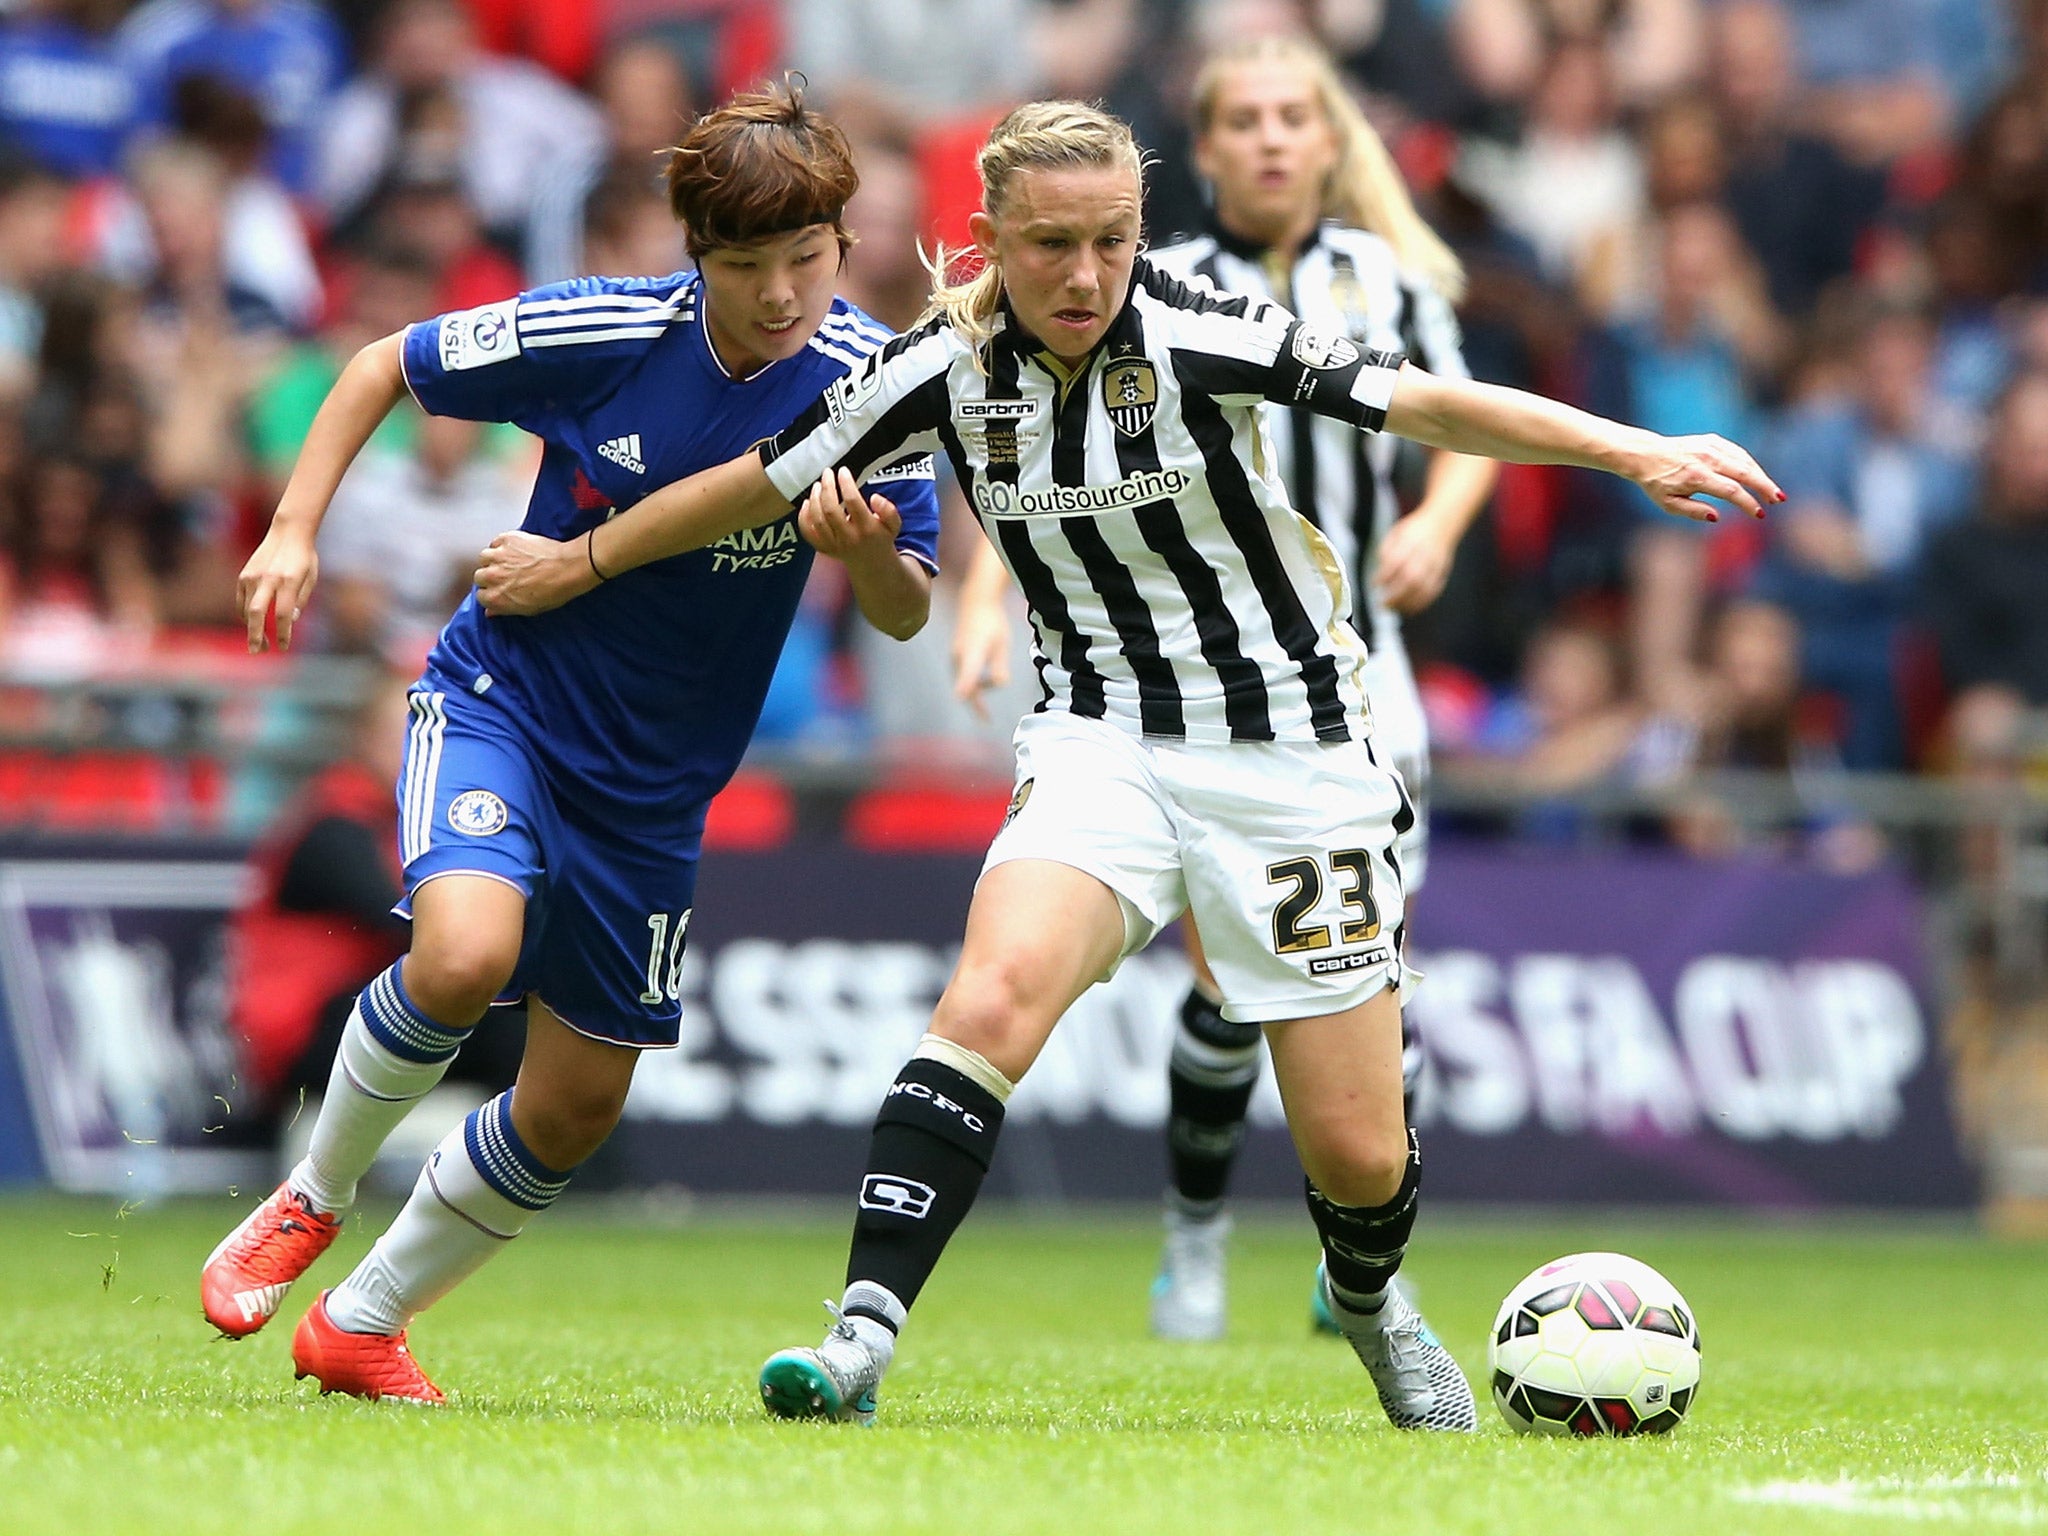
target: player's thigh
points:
(1291, 874)
(1340, 1080)
(1198, 960)
(608, 961)
(466, 935)
(1039, 934)
(1400, 740)
(570, 1091)
(475, 823)
(1085, 871)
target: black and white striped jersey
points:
(1173, 591)
(1347, 282)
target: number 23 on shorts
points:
(1304, 878)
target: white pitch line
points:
(2000, 1498)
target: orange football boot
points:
(246, 1277)
(370, 1365)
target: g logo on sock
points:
(896, 1196)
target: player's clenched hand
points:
(524, 573)
(981, 651)
(1414, 563)
(280, 574)
(837, 520)
(1676, 471)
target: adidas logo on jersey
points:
(624, 452)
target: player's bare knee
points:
(565, 1123)
(565, 1141)
(984, 1026)
(988, 1008)
(1355, 1166)
(455, 983)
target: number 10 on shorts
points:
(665, 956)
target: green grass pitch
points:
(602, 1376)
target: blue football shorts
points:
(607, 915)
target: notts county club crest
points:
(1131, 392)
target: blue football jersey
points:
(640, 696)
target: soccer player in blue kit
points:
(558, 767)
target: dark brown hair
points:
(762, 165)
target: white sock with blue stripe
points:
(391, 1054)
(480, 1188)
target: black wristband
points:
(590, 550)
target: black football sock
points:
(1210, 1077)
(933, 1140)
(1363, 1244)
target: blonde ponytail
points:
(968, 305)
(1040, 135)
(1365, 190)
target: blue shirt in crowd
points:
(66, 99)
(287, 54)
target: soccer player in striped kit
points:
(558, 767)
(1308, 210)
(1202, 743)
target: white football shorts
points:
(1280, 851)
(1400, 740)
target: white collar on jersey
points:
(704, 330)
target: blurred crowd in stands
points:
(1817, 226)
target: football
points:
(1594, 1344)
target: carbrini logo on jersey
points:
(1130, 391)
(998, 498)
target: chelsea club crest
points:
(477, 813)
(1130, 391)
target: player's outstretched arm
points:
(1468, 417)
(526, 573)
(894, 589)
(284, 568)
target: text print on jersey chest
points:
(994, 430)
(756, 549)
(994, 410)
(998, 498)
